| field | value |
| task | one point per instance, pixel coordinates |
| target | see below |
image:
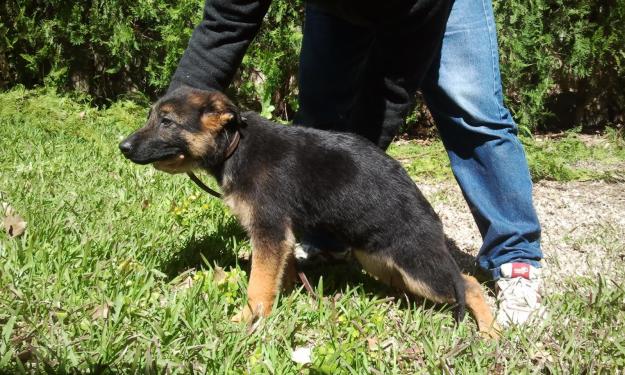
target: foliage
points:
(562, 61)
(103, 47)
(570, 158)
(565, 58)
(111, 47)
(267, 80)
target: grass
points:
(566, 158)
(126, 270)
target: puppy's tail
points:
(461, 300)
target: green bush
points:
(267, 80)
(112, 47)
(563, 63)
(103, 47)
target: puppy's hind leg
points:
(479, 308)
(439, 281)
(407, 275)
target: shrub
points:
(112, 47)
(103, 47)
(563, 63)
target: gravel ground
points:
(583, 227)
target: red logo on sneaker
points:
(520, 270)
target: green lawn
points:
(563, 158)
(124, 269)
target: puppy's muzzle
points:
(125, 147)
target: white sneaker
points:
(518, 296)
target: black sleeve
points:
(218, 43)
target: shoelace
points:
(519, 292)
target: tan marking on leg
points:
(269, 261)
(385, 270)
(479, 308)
(422, 289)
(389, 273)
(382, 268)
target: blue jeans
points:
(462, 89)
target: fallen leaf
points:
(184, 284)
(498, 369)
(413, 353)
(14, 225)
(301, 355)
(101, 312)
(372, 344)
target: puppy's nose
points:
(125, 147)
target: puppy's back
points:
(342, 181)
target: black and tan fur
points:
(282, 181)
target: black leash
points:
(203, 186)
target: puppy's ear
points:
(217, 112)
(233, 114)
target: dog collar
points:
(233, 145)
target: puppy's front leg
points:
(269, 261)
(290, 273)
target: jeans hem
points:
(494, 274)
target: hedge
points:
(563, 64)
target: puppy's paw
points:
(245, 315)
(492, 332)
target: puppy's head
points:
(186, 129)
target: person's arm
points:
(218, 43)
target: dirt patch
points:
(583, 227)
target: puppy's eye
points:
(165, 122)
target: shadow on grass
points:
(214, 249)
(217, 249)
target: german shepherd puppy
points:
(282, 181)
